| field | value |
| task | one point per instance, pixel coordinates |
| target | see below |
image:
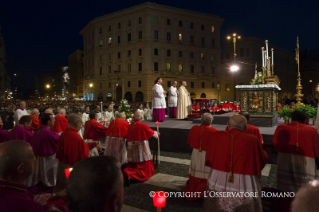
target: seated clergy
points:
(115, 139)
(60, 123)
(36, 124)
(215, 108)
(250, 129)
(87, 192)
(233, 170)
(227, 106)
(140, 165)
(21, 131)
(199, 138)
(44, 144)
(71, 148)
(93, 129)
(236, 107)
(297, 145)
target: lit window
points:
(180, 68)
(202, 56)
(213, 28)
(110, 41)
(101, 43)
(168, 67)
(180, 38)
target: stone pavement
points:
(172, 177)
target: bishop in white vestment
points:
(184, 105)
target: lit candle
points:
(159, 199)
(272, 56)
(67, 172)
(263, 56)
(266, 49)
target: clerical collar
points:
(174, 86)
(21, 108)
(158, 83)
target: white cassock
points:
(99, 117)
(18, 114)
(108, 115)
(158, 100)
(85, 118)
(142, 112)
(172, 97)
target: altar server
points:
(172, 100)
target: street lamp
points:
(234, 68)
(48, 87)
(218, 87)
(91, 86)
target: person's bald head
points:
(184, 83)
(16, 161)
(122, 116)
(138, 116)
(175, 83)
(49, 111)
(62, 112)
(307, 198)
(35, 111)
(238, 122)
(75, 121)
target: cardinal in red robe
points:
(227, 106)
(250, 129)
(297, 145)
(115, 139)
(22, 130)
(71, 149)
(198, 173)
(61, 123)
(233, 170)
(140, 166)
(215, 108)
(36, 124)
(93, 129)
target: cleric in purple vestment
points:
(21, 131)
(44, 144)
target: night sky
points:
(41, 34)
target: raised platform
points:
(258, 121)
(174, 135)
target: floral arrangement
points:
(259, 79)
(285, 112)
(125, 108)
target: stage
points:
(174, 135)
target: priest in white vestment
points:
(85, 118)
(21, 111)
(141, 110)
(147, 113)
(172, 100)
(99, 114)
(108, 115)
(158, 101)
(184, 104)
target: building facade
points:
(248, 53)
(125, 51)
(5, 81)
(75, 71)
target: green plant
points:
(310, 111)
(125, 108)
(285, 112)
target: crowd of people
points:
(41, 146)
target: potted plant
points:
(285, 113)
(310, 112)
